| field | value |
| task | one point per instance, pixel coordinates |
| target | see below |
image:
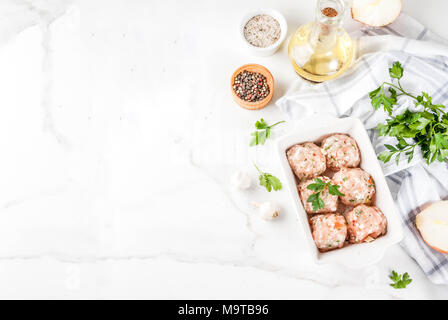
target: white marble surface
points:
(118, 135)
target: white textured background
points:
(117, 137)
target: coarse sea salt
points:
(262, 31)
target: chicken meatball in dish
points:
(365, 224)
(330, 201)
(306, 160)
(341, 151)
(329, 231)
(357, 186)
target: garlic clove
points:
(241, 180)
(268, 210)
(376, 13)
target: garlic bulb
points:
(267, 210)
(241, 180)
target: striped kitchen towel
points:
(424, 57)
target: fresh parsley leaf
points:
(313, 197)
(393, 94)
(391, 148)
(267, 132)
(316, 201)
(334, 190)
(263, 132)
(318, 204)
(410, 155)
(399, 281)
(441, 141)
(318, 186)
(383, 129)
(385, 156)
(268, 181)
(315, 187)
(379, 98)
(397, 158)
(421, 123)
(401, 143)
(261, 124)
(394, 276)
(261, 137)
(375, 92)
(258, 137)
(273, 181)
(265, 183)
(396, 72)
(255, 138)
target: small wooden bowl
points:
(269, 79)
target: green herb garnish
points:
(263, 132)
(318, 186)
(400, 281)
(269, 181)
(427, 128)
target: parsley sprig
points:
(426, 128)
(269, 181)
(262, 133)
(400, 281)
(318, 186)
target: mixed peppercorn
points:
(251, 86)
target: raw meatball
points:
(306, 160)
(331, 202)
(329, 231)
(365, 224)
(341, 151)
(357, 186)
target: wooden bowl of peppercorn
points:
(252, 86)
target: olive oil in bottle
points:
(322, 50)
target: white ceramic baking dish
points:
(358, 255)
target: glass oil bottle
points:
(322, 50)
